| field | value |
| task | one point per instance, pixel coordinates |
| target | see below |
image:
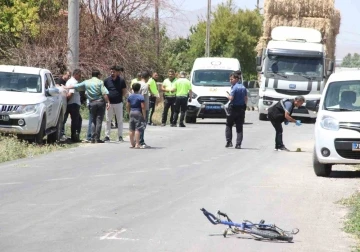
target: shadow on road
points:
(238, 236)
(345, 174)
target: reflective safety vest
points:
(169, 85)
(277, 112)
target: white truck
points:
(209, 78)
(293, 63)
(30, 104)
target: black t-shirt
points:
(60, 81)
(115, 88)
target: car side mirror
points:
(330, 68)
(258, 60)
(312, 105)
(52, 92)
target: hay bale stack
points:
(300, 8)
(318, 14)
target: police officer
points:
(169, 98)
(281, 112)
(183, 93)
(236, 110)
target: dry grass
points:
(300, 8)
(318, 14)
(11, 148)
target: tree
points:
(234, 33)
(351, 60)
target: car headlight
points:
(329, 123)
(28, 109)
(193, 95)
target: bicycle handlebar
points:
(210, 216)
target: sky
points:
(348, 41)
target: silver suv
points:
(30, 104)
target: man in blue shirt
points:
(236, 111)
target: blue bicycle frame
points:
(243, 226)
(267, 231)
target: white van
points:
(337, 128)
(210, 83)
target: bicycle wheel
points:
(271, 234)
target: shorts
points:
(137, 121)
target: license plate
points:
(4, 118)
(356, 146)
(212, 107)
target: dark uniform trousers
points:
(169, 102)
(97, 110)
(276, 115)
(180, 107)
(236, 116)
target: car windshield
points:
(211, 77)
(299, 66)
(19, 82)
(343, 96)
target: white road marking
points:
(206, 160)
(138, 172)
(59, 179)
(183, 166)
(163, 169)
(113, 235)
(103, 175)
(197, 163)
(11, 183)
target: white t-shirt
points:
(63, 93)
(75, 98)
(144, 90)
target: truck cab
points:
(293, 63)
(209, 78)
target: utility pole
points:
(157, 29)
(258, 5)
(73, 34)
(207, 47)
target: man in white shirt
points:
(73, 106)
(144, 90)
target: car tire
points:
(39, 137)
(262, 117)
(55, 137)
(190, 119)
(321, 170)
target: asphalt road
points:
(108, 197)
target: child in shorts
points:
(135, 106)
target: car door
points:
(57, 100)
(49, 103)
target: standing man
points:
(117, 89)
(135, 80)
(154, 93)
(169, 98)
(144, 91)
(97, 94)
(183, 93)
(236, 111)
(73, 106)
(63, 79)
(281, 112)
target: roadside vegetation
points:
(352, 224)
(11, 148)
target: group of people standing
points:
(106, 98)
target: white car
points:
(30, 104)
(337, 128)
